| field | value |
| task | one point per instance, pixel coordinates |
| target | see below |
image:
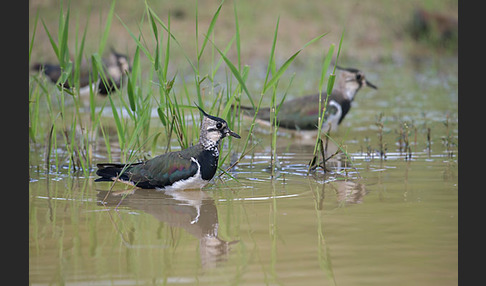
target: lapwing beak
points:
(233, 134)
(370, 85)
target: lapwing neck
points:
(210, 145)
(340, 97)
(208, 159)
(351, 93)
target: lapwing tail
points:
(110, 171)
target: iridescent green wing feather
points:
(300, 113)
(164, 170)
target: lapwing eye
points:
(359, 77)
(219, 125)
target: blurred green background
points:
(374, 31)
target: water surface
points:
(369, 221)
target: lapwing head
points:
(213, 130)
(118, 64)
(350, 80)
(123, 63)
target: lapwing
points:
(302, 113)
(191, 168)
(115, 67)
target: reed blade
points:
(210, 30)
(236, 74)
(106, 31)
(287, 63)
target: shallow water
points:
(369, 221)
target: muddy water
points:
(369, 221)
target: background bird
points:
(115, 67)
(302, 113)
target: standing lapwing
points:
(302, 113)
(191, 168)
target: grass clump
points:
(123, 122)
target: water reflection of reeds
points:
(193, 211)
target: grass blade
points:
(286, 65)
(79, 57)
(131, 95)
(104, 36)
(137, 41)
(33, 34)
(237, 35)
(162, 116)
(173, 38)
(237, 75)
(210, 30)
(119, 127)
(325, 66)
(332, 77)
(220, 61)
(135, 65)
(280, 72)
(330, 85)
(271, 60)
(63, 47)
(156, 34)
(167, 51)
(53, 43)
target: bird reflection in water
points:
(336, 172)
(192, 210)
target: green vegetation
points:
(131, 106)
(154, 107)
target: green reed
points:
(171, 106)
(77, 133)
(448, 140)
(269, 84)
(381, 145)
(66, 123)
(404, 137)
(322, 109)
(323, 252)
(72, 129)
